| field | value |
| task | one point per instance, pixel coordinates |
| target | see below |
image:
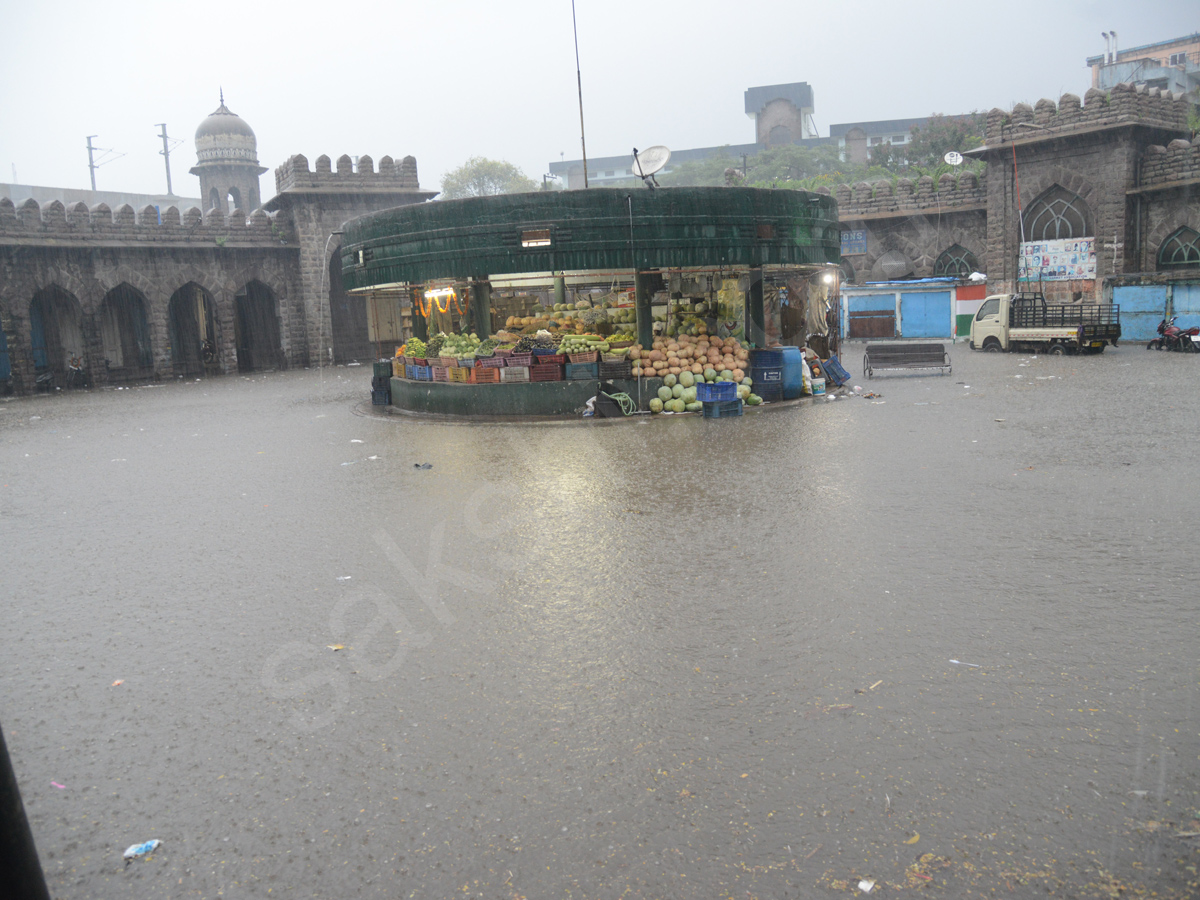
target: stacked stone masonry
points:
(1176, 163)
(907, 196)
(295, 174)
(1125, 104)
(99, 223)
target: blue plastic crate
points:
(722, 409)
(835, 372)
(422, 373)
(408, 373)
(381, 398)
(707, 392)
(582, 371)
(770, 393)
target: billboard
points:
(1069, 260)
(854, 242)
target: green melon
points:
(669, 380)
(656, 405)
(677, 391)
(665, 394)
(694, 407)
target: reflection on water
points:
(678, 658)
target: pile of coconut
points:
(706, 356)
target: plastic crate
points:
(381, 398)
(381, 382)
(422, 373)
(582, 371)
(408, 373)
(383, 369)
(519, 359)
(486, 374)
(489, 362)
(765, 375)
(545, 373)
(462, 374)
(716, 391)
(447, 362)
(616, 369)
(771, 393)
(766, 359)
(541, 353)
(440, 373)
(514, 374)
(419, 361)
(722, 409)
(504, 352)
(399, 364)
(465, 362)
(835, 372)
(590, 356)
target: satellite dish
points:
(954, 158)
(649, 161)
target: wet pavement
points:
(943, 641)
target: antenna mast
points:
(579, 81)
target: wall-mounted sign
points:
(1069, 260)
(854, 242)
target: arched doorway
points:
(214, 199)
(256, 329)
(192, 327)
(56, 335)
(235, 200)
(125, 334)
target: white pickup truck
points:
(1028, 324)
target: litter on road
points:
(136, 850)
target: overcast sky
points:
(449, 79)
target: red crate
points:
(420, 361)
(489, 362)
(545, 373)
(486, 374)
(520, 359)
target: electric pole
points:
(166, 152)
(91, 162)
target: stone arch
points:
(235, 199)
(956, 261)
(257, 328)
(214, 198)
(192, 331)
(125, 334)
(892, 265)
(847, 268)
(57, 338)
(1063, 177)
(1181, 249)
(1058, 214)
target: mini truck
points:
(1028, 324)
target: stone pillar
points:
(560, 289)
(645, 318)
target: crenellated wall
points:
(1176, 163)
(100, 224)
(295, 174)
(883, 199)
(1125, 104)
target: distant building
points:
(782, 113)
(1172, 65)
(855, 139)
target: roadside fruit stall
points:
(656, 295)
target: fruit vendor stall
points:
(523, 304)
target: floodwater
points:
(672, 658)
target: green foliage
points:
(700, 172)
(941, 135)
(481, 177)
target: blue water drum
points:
(793, 373)
(766, 370)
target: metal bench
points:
(905, 356)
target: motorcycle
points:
(1172, 337)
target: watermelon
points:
(753, 400)
(656, 405)
(689, 395)
(710, 375)
(665, 393)
(669, 380)
(694, 407)
(686, 378)
(677, 391)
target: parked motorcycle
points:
(1172, 337)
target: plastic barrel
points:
(793, 373)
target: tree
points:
(482, 177)
(942, 134)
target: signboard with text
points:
(1069, 260)
(854, 242)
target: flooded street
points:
(942, 640)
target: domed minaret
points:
(227, 162)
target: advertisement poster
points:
(1070, 260)
(854, 242)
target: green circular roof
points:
(590, 229)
